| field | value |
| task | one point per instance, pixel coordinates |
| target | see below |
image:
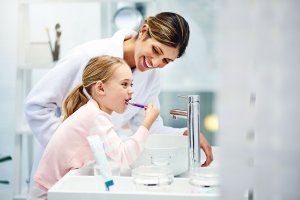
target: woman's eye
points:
(125, 84)
(154, 50)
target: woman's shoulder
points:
(124, 33)
(92, 45)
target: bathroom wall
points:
(258, 47)
(8, 41)
(196, 71)
(80, 22)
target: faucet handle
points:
(183, 96)
(191, 98)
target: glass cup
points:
(203, 180)
(153, 178)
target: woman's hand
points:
(205, 146)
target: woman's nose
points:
(156, 61)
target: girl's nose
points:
(130, 90)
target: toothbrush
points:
(137, 105)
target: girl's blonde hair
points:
(169, 29)
(99, 68)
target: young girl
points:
(106, 87)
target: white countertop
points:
(82, 184)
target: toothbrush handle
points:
(139, 105)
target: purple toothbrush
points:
(137, 105)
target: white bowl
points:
(165, 150)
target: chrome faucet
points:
(193, 121)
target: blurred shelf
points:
(23, 130)
(36, 66)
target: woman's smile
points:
(147, 64)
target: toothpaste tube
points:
(101, 160)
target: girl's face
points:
(149, 53)
(117, 91)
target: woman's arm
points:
(43, 103)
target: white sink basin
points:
(81, 184)
(165, 150)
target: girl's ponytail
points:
(74, 101)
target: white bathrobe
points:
(44, 102)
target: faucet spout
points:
(176, 113)
(193, 121)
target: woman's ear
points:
(99, 86)
(143, 31)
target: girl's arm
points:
(123, 152)
(152, 94)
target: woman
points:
(106, 87)
(160, 40)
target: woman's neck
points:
(129, 51)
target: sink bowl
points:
(165, 150)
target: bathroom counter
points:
(81, 184)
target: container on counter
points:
(203, 180)
(153, 178)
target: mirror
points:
(128, 17)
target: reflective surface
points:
(128, 17)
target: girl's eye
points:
(125, 85)
(165, 61)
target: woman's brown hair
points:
(170, 29)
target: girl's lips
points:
(127, 100)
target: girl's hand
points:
(151, 113)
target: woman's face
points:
(149, 53)
(117, 91)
